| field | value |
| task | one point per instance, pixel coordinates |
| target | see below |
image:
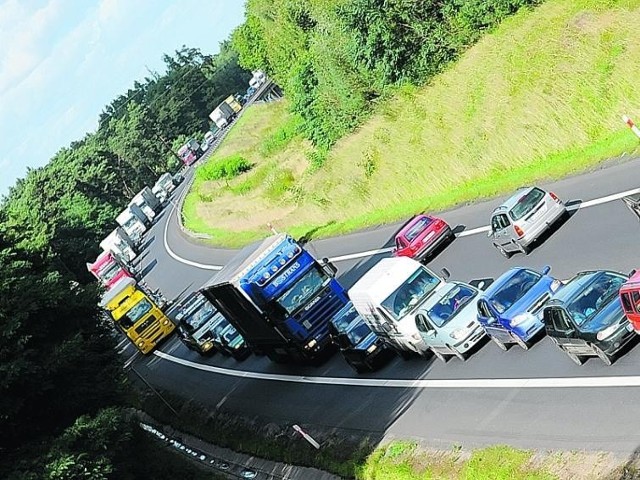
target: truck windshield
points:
(109, 272)
(306, 287)
(130, 223)
(411, 293)
(358, 334)
(136, 312)
(198, 317)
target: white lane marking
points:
(370, 253)
(560, 382)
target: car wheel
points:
(523, 248)
(439, 356)
(521, 342)
(607, 359)
(461, 356)
(502, 251)
(500, 343)
(578, 360)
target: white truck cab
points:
(389, 295)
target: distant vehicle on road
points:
(421, 236)
(108, 269)
(196, 319)
(510, 310)
(523, 218)
(224, 113)
(361, 348)
(585, 318)
(190, 152)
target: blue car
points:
(510, 310)
(361, 348)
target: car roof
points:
(500, 282)
(576, 285)
(509, 203)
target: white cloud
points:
(22, 35)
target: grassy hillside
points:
(538, 98)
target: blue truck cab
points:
(279, 298)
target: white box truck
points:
(134, 222)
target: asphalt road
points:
(475, 410)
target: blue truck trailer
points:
(279, 298)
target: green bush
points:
(279, 139)
(223, 168)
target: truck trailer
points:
(279, 298)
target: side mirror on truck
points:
(328, 267)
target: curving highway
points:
(534, 399)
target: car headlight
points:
(372, 348)
(523, 318)
(555, 285)
(312, 343)
(607, 332)
(460, 333)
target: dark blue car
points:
(510, 310)
(361, 348)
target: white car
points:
(448, 320)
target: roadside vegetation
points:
(537, 98)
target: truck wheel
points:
(356, 368)
(502, 251)
(577, 359)
(500, 344)
(607, 359)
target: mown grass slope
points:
(538, 98)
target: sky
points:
(63, 61)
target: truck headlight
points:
(312, 343)
(165, 322)
(141, 343)
(416, 337)
(206, 346)
(607, 332)
(372, 348)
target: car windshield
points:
(526, 203)
(416, 228)
(609, 315)
(513, 290)
(359, 333)
(130, 223)
(411, 293)
(595, 296)
(344, 318)
(198, 317)
(138, 311)
(450, 304)
(306, 287)
(229, 333)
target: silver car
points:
(519, 221)
(448, 321)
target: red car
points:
(421, 236)
(630, 297)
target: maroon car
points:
(421, 236)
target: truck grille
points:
(316, 320)
(146, 324)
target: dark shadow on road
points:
(147, 269)
(147, 243)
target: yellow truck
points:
(137, 315)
